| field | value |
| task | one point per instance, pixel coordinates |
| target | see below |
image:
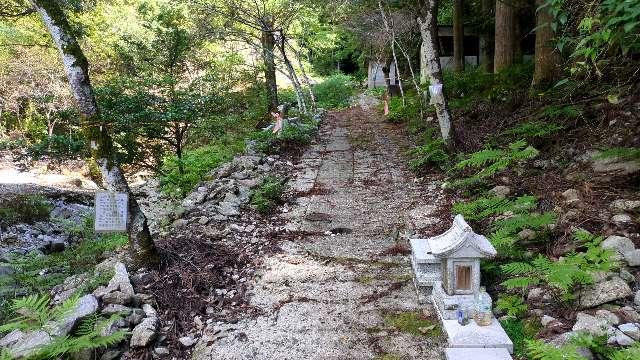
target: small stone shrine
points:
(447, 273)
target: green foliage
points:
(60, 146)
(492, 161)
(34, 312)
(195, 165)
(630, 154)
(432, 152)
(562, 275)
(24, 209)
(413, 323)
(292, 135)
(561, 111)
(334, 92)
(504, 234)
(520, 332)
(539, 350)
(513, 305)
(268, 195)
(483, 207)
(533, 129)
(399, 112)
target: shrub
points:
(399, 112)
(24, 209)
(196, 164)
(292, 135)
(334, 92)
(268, 195)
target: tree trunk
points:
(268, 46)
(305, 78)
(143, 251)
(302, 106)
(391, 30)
(458, 37)
(431, 63)
(486, 38)
(505, 35)
(546, 58)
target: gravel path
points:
(335, 292)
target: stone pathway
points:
(337, 291)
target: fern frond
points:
(518, 268)
(521, 282)
(539, 350)
(518, 222)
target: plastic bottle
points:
(483, 302)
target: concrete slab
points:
(474, 336)
(476, 354)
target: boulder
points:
(187, 341)
(527, 234)
(11, 338)
(145, 332)
(546, 320)
(30, 342)
(604, 292)
(631, 330)
(592, 325)
(119, 290)
(149, 310)
(636, 298)
(111, 355)
(632, 257)
(116, 309)
(614, 164)
(627, 276)
(87, 305)
(117, 297)
(628, 314)
(622, 339)
(608, 316)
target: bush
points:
(334, 92)
(196, 164)
(24, 209)
(399, 112)
(268, 195)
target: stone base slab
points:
(474, 336)
(476, 354)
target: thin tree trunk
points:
(268, 46)
(546, 58)
(305, 78)
(486, 38)
(431, 61)
(302, 106)
(505, 35)
(391, 32)
(96, 132)
(458, 37)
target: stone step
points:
(477, 354)
(474, 336)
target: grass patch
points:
(268, 195)
(413, 323)
(24, 209)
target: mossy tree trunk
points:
(505, 41)
(96, 131)
(546, 58)
(430, 61)
(268, 56)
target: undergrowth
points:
(268, 195)
(292, 135)
(24, 209)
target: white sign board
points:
(111, 211)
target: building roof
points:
(459, 235)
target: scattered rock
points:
(571, 197)
(11, 338)
(608, 316)
(546, 320)
(149, 310)
(592, 325)
(29, 343)
(636, 298)
(527, 234)
(627, 276)
(111, 355)
(145, 332)
(630, 329)
(620, 244)
(615, 164)
(632, 257)
(622, 205)
(111, 309)
(622, 339)
(136, 317)
(501, 191)
(161, 351)
(117, 297)
(187, 341)
(621, 219)
(604, 292)
(87, 305)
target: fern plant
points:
(484, 207)
(629, 154)
(492, 161)
(34, 312)
(513, 305)
(533, 129)
(539, 350)
(563, 275)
